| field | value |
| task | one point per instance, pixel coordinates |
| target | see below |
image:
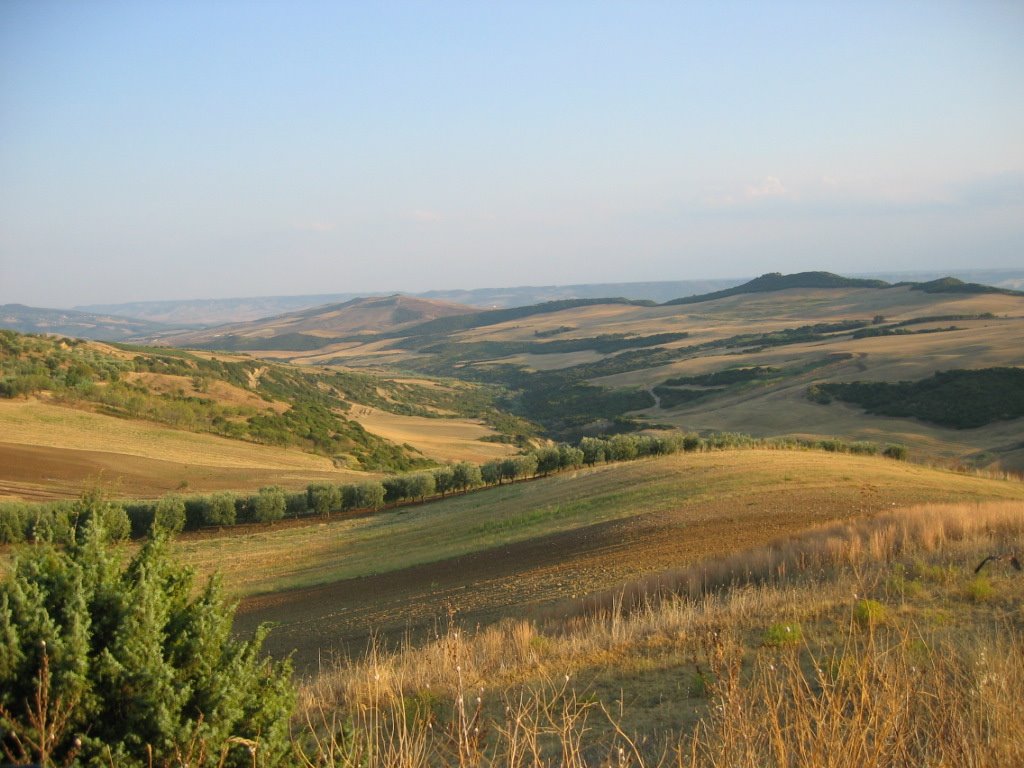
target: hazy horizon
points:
(193, 150)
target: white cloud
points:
(770, 186)
(425, 216)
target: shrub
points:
(980, 589)
(296, 504)
(323, 498)
(419, 485)
(219, 509)
(898, 452)
(622, 448)
(782, 634)
(466, 476)
(133, 665)
(548, 460)
(594, 450)
(14, 520)
(692, 442)
(269, 505)
(869, 613)
(569, 457)
(444, 479)
(94, 507)
(362, 496)
(491, 472)
(169, 513)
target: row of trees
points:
(173, 513)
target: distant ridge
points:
(953, 285)
(313, 328)
(470, 320)
(68, 322)
(210, 312)
(776, 281)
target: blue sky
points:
(161, 150)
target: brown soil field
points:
(37, 473)
(548, 573)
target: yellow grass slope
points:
(440, 439)
(764, 492)
(512, 550)
(49, 451)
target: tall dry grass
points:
(892, 689)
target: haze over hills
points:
(221, 311)
(741, 359)
(355, 320)
(217, 311)
(737, 360)
(79, 324)
(317, 326)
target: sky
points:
(173, 150)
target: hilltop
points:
(740, 360)
(776, 281)
(185, 312)
(321, 325)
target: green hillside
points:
(235, 397)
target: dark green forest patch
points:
(959, 398)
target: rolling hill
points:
(237, 310)
(76, 324)
(313, 328)
(529, 546)
(134, 420)
(587, 366)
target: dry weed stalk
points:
(891, 694)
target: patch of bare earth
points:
(540, 574)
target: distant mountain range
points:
(207, 312)
(217, 311)
(316, 327)
(85, 325)
(363, 320)
(186, 321)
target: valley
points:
(803, 464)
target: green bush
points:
(323, 498)
(297, 504)
(169, 513)
(134, 666)
(869, 613)
(14, 522)
(898, 452)
(269, 505)
(110, 515)
(363, 496)
(219, 509)
(782, 634)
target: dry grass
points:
(934, 683)
(441, 439)
(50, 451)
(754, 494)
(32, 422)
(218, 391)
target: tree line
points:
(58, 521)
